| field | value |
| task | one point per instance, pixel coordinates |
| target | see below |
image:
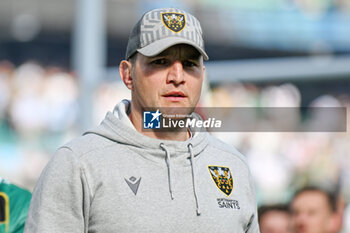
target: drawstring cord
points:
(190, 148)
(168, 166)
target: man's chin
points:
(181, 110)
(174, 104)
(177, 112)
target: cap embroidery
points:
(175, 22)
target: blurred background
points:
(58, 77)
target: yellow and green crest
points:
(174, 21)
(222, 177)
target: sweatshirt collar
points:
(118, 127)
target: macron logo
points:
(133, 183)
(151, 119)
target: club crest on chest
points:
(222, 178)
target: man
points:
(14, 205)
(274, 219)
(120, 178)
(314, 210)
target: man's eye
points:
(189, 64)
(159, 62)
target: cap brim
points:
(159, 46)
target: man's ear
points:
(204, 71)
(335, 222)
(125, 71)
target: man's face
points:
(311, 213)
(171, 79)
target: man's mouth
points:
(175, 96)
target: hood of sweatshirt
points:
(117, 127)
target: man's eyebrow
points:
(194, 56)
(164, 53)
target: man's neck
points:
(135, 117)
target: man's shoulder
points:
(87, 143)
(227, 148)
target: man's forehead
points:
(311, 197)
(182, 50)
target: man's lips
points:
(301, 229)
(175, 96)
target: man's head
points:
(164, 60)
(274, 219)
(313, 210)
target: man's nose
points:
(176, 73)
(301, 218)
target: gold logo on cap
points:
(174, 21)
